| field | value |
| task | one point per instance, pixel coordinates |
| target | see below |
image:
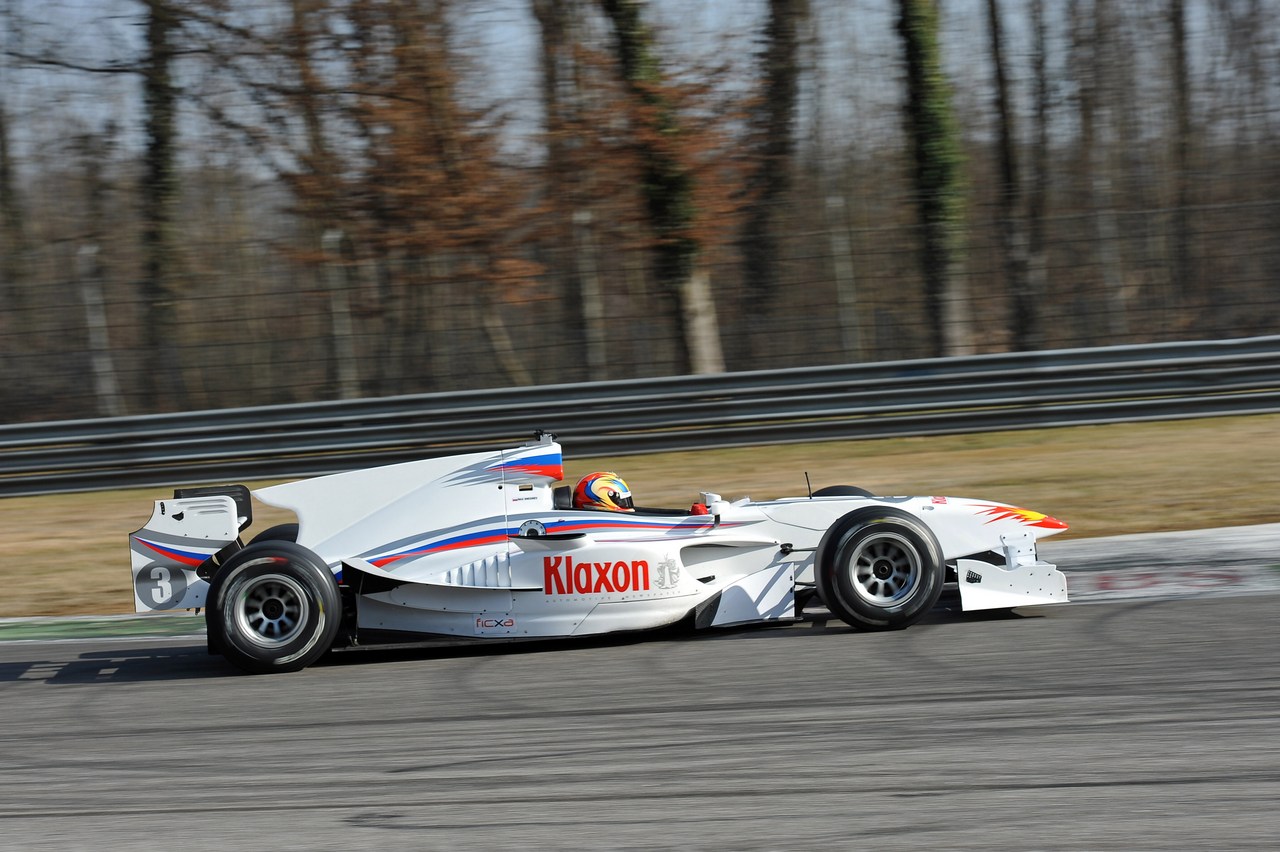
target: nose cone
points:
(1050, 523)
(1026, 517)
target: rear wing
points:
(182, 535)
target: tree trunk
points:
(590, 298)
(935, 148)
(1038, 199)
(836, 221)
(1101, 106)
(11, 230)
(504, 351)
(1183, 276)
(95, 151)
(669, 196)
(344, 369)
(573, 259)
(336, 271)
(162, 380)
(1013, 242)
(101, 365)
(12, 251)
(775, 149)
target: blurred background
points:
(219, 203)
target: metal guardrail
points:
(899, 398)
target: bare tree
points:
(1009, 222)
(1093, 42)
(11, 230)
(669, 192)
(569, 178)
(774, 144)
(1182, 275)
(1038, 195)
(1135, 162)
(94, 152)
(163, 382)
(447, 209)
(935, 149)
(321, 168)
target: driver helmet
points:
(603, 490)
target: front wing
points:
(1023, 579)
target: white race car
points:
(485, 547)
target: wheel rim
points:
(272, 610)
(885, 568)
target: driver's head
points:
(602, 490)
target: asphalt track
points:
(1146, 720)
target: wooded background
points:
(215, 203)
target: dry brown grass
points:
(68, 554)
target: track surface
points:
(1124, 725)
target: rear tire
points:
(273, 607)
(280, 532)
(880, 569)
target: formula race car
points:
(486, 547)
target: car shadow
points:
(450, 649)
(128, 665)
(818, 620)
(174, 662)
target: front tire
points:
(273, 607)
(880, 569)
(842, 491)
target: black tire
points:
(280, 532)
(842, 491)
(273, 607)
(880, 569)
